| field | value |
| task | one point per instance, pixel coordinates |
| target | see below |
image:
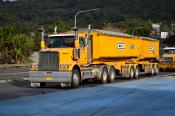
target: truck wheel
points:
(156, 70)
(112, 75)
(75, 79)
(152, 71)
(131, 73)
(136, 73)
(104, 75)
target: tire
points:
(136, 73)
(42, 84)
(112, 75)
(104, 76)
(131, 73)
(152, 71)
(75, 80)
(156, 70)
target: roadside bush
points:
(15, 47)
(22, 47)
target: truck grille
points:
(48, 61)
(168, 60)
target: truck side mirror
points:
(76, 51)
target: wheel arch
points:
(109, 66)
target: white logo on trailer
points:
(121, 45)
(151, 48)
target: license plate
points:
(48, 78)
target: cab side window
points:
(82, 42)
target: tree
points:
(62, 26)
(6, 34)
(15, 47)
(22, 47)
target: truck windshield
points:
(60, 41)
(172, 51)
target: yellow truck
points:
(168, 59)
(94, 54)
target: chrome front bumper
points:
(50, 76)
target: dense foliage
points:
(15, 47)
(25, 16)
(31, 13)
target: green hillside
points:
(36, 12)
(20, 20)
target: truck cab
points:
(61, 59)
(168, 58)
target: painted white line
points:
(165, 75)
(159, 76)
(3, 81)
(9, 80)
(25, 78)
(14, 73)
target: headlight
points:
(64, 66)
(34, 66)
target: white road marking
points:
(164, 75)
(25, 78)
(14, 73)
(9, 80)
(3, 81)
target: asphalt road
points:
(14, 84)
(145, 97)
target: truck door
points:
(83, 51)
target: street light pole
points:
(138, 28)
(75, 20)
(83, 11)
(77, 49)
(172, 25)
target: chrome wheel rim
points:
(105, 75)
(136, 73)
(112, 75)
(75, 79)
(152, 71)
(132, 73)
(157, 70)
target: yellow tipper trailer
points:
(96, 54)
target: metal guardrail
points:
(4, 66)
